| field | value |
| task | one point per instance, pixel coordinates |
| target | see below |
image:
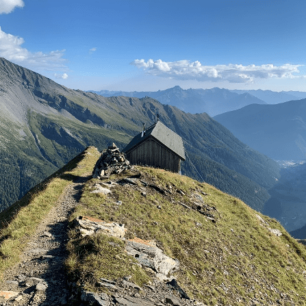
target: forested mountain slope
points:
(43, 125)
(288, 198)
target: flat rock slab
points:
(89, 226)
(107, 285)
(275, 231)
(46, 234)
(152, 257)
(8, 294)
(261, 219)
(95, 299)
(34, 281)
(41, 287)
(109, 184)
(131, 301)
(48, 257)
(132, 181)
(197, 197)
(12, 283)
(100, 189)
(172, 300)
(18, 298)
(151, 243)
(127, 284)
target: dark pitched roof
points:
(164, 135)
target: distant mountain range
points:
(278, 131)
(273, 97)
(212, 101)
(44, 125)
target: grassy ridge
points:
(17, 222)
(229, 262)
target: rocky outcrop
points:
(99, 189)
(274, 231)
(157, 294)
(111, 161)
(89, 226)
(148, 255)
(145, 251)
(95, 299)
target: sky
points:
(148, 45)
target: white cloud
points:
(186, 70)
(11, 49)
(63, 76)
(7, 6)
(92, 49)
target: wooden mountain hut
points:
(157, 146)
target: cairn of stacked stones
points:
(111, 161)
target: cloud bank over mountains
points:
(233, 73)
(7, 6)
(11, 49)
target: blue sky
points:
(150, 45)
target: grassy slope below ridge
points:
(17, 223)
(227, 180)
(230, 262)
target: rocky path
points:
(39, 278)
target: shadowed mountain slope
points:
(278, 131)
(299, 233)
(44, 124)
(288, 198)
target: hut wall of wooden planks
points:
(153, 153)
(158, 146)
